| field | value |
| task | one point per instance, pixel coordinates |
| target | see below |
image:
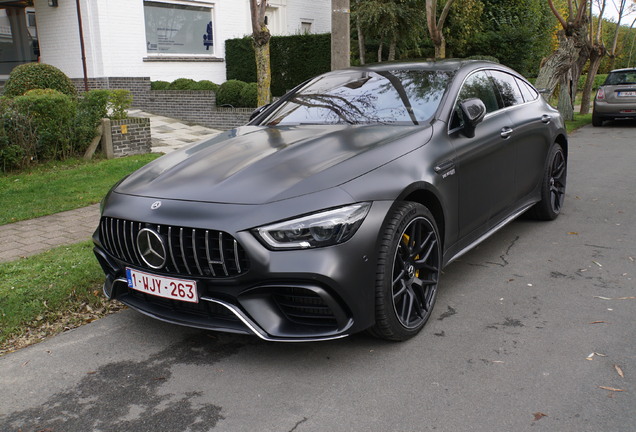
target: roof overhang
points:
(15, 3)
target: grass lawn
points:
(578, 122)
(59, 186)
(48, 293)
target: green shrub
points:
(249, 95)
(91, 108)
(118, 103)
(30, 76)
(294, 59)
(50, 115)
(229, 93)
(182, 84)
(207, 85)
(159, 85)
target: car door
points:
(530, 135)
(484, 162)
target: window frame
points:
(172, 56)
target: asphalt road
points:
(509, 347)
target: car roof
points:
(449, 65)
(624, 70)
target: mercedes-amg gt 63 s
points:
(335, 208)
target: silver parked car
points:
(616, 98)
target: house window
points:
(305, 27)
(179, 29)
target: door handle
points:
(506, 132)
(546, 118)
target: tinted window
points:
(364, 97)
(508, 88)
(623, 77)
(479, 85)
(528, 92)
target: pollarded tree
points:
(261, 37)
(564, 66)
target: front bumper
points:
(299, 295)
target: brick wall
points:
(191, 106)
(136, 140)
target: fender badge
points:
(155, 205)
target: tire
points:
(409, 266)
(552, 186)
(596, 121)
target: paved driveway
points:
(531, 332)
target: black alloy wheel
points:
(408, 272)
(553, 186)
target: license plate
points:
(162, 286)
(626, 93)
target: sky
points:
(612, 13)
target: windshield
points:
(365, 97)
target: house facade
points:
(158, 39)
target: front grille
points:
(191, 251)
(303, 306)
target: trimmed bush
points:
(249, 95)
(51, 115)
(182, 84)
(118, 102)
(159, 85)
(91, 109)
(229, 93)
(294, 59)
(31, 76)
(206, 85)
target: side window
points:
(478, 85)
(528, 92)
(508, 88)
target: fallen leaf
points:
(611, 389)
(619, 371)
(538, 416)
(91, 372)
(597, 322)
(614, 298)
(598, 263)
(573, 233)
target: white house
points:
(160, 39)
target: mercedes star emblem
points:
(155, 205)
(151, 248)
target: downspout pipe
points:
(81, 36)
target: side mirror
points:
(473, 112)
(258, 111)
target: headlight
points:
(317, 230)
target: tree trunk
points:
(596, 55)
(392, 48)
(440, 48)
(361, 42)
(263, 70)
(380, 52)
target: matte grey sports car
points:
(334, 210)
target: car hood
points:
(257, 164)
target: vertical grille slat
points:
(192, 252)
(171, 248)
(222, 254)
(207, 253)
(183, 251)
(236, 257)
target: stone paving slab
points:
(30, 237)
